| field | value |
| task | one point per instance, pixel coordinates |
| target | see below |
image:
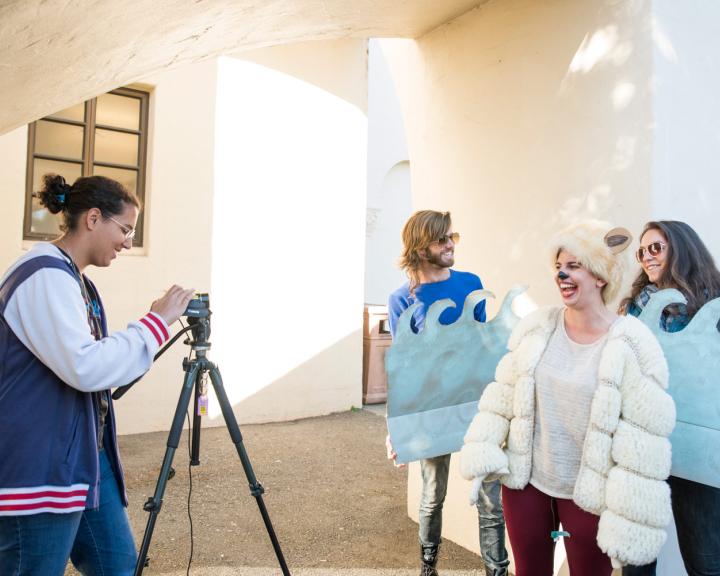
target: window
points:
(104, 136)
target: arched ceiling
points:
(56, 53)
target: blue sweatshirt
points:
(456, 287)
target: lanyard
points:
(92, 305)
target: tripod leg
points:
(154, 504)
(255, 488)
(197, 424)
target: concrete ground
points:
(337, 505)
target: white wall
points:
(523, 116)
(13, 158)
(288, 243)
(686, 86)
(389, 198)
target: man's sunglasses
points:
(445, 238)
(653, 249)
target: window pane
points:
(42, 221)
(57, 139)
(116, 147)
(127, 178)
(76, 112)
(120, 111)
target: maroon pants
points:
(530, 517)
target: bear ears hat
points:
(598, 247)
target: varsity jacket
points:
(626, 456)
(52, 371)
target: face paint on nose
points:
(562, 275)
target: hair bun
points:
(54, 193)
(61, 189)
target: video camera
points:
(198, 315)
(199, 306)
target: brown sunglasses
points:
(445, 238)
(653, 249)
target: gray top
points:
(565, 381)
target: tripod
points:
(196, 370)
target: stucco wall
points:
(13, 155)
(288, 240)
(285, 246)
(389, 197)
(686, 173)
(522, 116)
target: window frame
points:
(88, 162)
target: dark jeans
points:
(696, 509)
(491, 522)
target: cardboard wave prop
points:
(436, 377)
(693, 357)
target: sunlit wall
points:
(287, 243)
(686, 171)
(523, 116)
(255, 193)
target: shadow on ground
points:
(334, 500)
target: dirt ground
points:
(333, 498)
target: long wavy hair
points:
(689, 268)
(421, 229)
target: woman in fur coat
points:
(576, 424)
(672, 255)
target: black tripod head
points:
(198, 317)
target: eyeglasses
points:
(445, 238)
(653, 249)
(129, 232)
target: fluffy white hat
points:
(599, 248)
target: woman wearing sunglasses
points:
(62, 492)
(672, 255)
(575, 424)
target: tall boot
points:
(429, 557)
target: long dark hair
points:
(689, 268)
(105, 194)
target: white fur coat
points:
(626, 456)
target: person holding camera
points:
(62, 492)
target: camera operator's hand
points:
(173, 303)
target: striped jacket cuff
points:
(157, 327)
(37, 499)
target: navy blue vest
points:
(48, 430)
